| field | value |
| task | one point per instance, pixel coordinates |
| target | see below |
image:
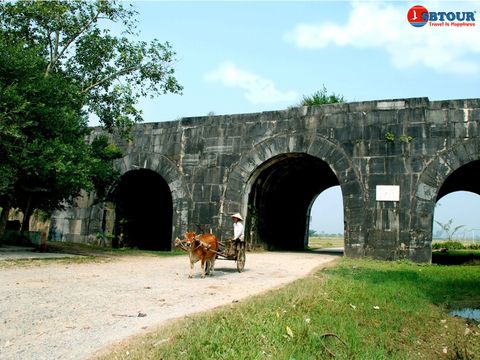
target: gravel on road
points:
(74, 310)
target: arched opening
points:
(280, 199)
(326, 228)
(456, 217)
(458, 205)
(466, 178)
(143, 211)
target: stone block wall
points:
(212, 164)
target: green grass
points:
(359, 309)
(455, 253)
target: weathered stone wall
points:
(211, 163)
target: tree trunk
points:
(27, 213)
(3, 219)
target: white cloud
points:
(258, 90)
(385, 26)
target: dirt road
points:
(59, 311)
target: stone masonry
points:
(393, 159)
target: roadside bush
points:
(474, 246)
(450, 245)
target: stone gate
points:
(393, 160)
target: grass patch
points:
(359, 309)
(455, 253)
(93, 250)
(88, 254)
(325, 242)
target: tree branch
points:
(50, 46)
(109, 77)
(53, 53)
(67, 45)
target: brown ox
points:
(202, 248)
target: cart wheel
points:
(241, 258)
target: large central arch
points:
(281, 196)
(304, 162)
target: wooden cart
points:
(233, 250)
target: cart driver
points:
(237, 229)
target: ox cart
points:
(233, 250)
(206, 248)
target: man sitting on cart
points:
(238, 235)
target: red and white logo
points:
(417, 16)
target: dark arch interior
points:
(143, 211)
(280, 199)
(466, 178)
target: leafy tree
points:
(23, 110)
(111, 72)
(59, 62)
(103, 177)
(321, 97)
(44, 158)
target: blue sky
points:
(251, 56)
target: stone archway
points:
(280, 198)
(171, 181)
(251, 183)
(454, 169)
(143, 211)
(466, 178)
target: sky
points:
(253, 56)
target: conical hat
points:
(238, 216)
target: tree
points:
(448, 229)
(44, 158)
(112, 72)
(312, 233)
(321, 97)
(103, 177)
(23, 111)
(59, 63)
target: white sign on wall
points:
(388, 193)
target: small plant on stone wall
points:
(42, 215)
(406, 138)
(104, 239)
(321, 97)
(389, 137)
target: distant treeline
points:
(313, 233)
